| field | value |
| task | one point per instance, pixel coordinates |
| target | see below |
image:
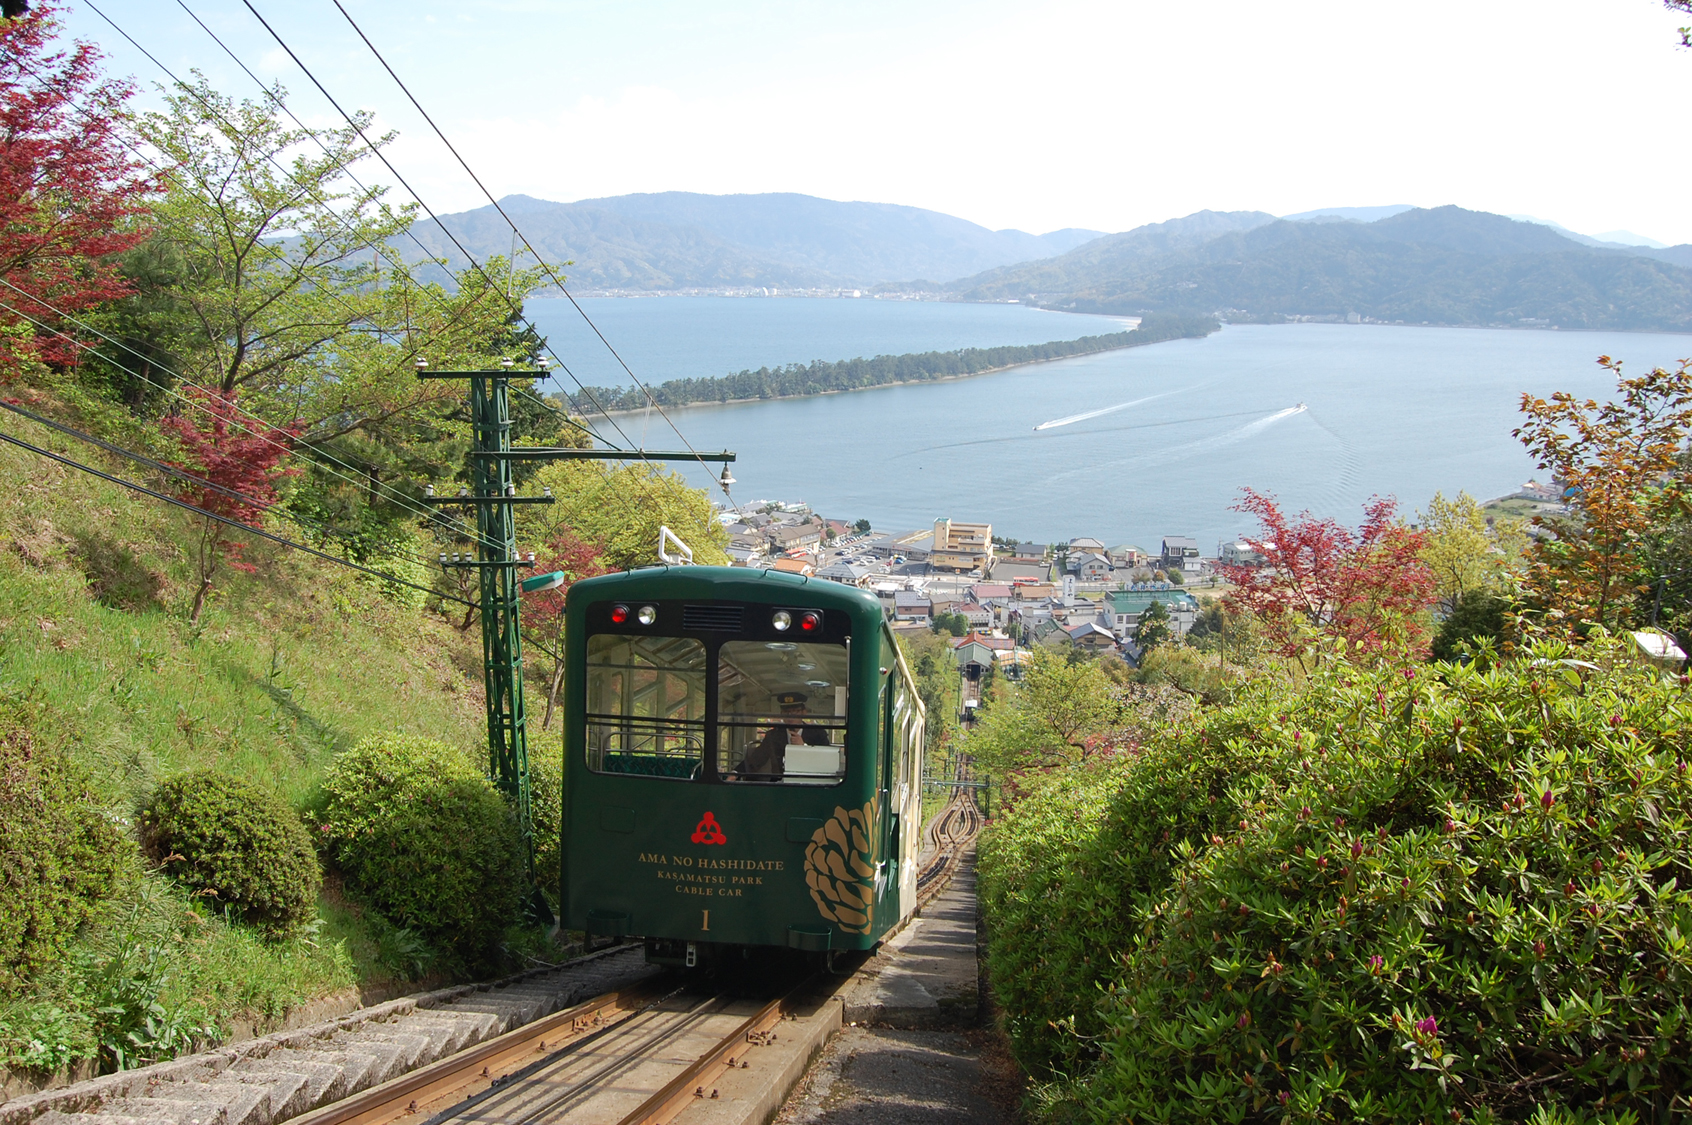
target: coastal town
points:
(998, 597)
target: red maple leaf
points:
(1367, 587)
(235, 460)
(69, 190)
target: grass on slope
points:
(286, 668)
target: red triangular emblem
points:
(709, 831)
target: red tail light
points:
(809, 622)
(619, 614)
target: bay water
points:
(1125, 446)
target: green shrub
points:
(1478, 615)
(60, 855)
(237, 845)
(425, 840)
(546, 812)
(1419, 900)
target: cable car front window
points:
(781, 712)
(646, 705)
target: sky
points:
(1008, 113)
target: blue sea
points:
(1126, 446)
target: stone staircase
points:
(269, 1080)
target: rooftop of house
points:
(793, 566)
(1179, 542)
(999, 643)
(1136, 601)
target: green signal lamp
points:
(543, 582)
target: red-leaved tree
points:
(69, 190)
(1367, 587)
(542, 613)
(236, 460)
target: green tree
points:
(1464, 551)
(1153, 628)
(861, 527)
(1477, 615)
(954, 623)
(622, 508)
(1060, 712)
(1174, 577)
(1618, 462)
(276, 286)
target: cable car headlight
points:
(810, 622)
(647, 615)
(619, 614)
(781, 620)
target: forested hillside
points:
(1439, 266)
(683, 240)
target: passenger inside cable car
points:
(768, 760)
(781, 712)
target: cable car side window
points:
(781, 712)
(646, 705)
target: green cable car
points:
(742, 764)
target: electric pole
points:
(493, 495)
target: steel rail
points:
(682, 1090)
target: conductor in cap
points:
(768, 760)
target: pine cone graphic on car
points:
(840, 867)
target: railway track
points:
(952, 829)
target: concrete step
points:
(287, 1093)
(461, 1028)
(409, 1050)
(319, 1081)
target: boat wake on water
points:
(1073, 418)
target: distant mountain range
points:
(1398, 263)
(681, 240)
(1443, 265)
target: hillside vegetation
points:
(1438, 266)
(198, 672)
(684, 240)
(285, 669)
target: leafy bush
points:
(237, 844)
(60, 857)
(546, 812)
(424, 839)
(1478, 615)
(1379, 898)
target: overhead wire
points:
(388, 164)
(322, 455)
(195, 508)
(377, 248)
(412, 352)
(305, 523)
(544, 265)
(361, 480)
(517, 309)
(262, 433)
